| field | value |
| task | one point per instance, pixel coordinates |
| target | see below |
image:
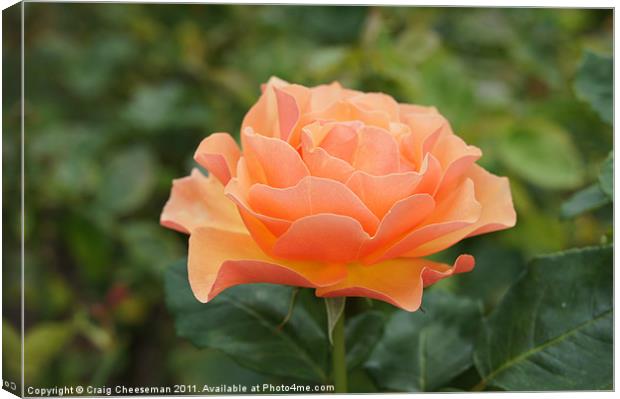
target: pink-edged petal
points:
(272, 161)
(445, 226)
(311, 196)
(222, 259)
(219, 154)
(377, 151)
(399, 282)
(323, 238)
(380, 193)
(198, 201)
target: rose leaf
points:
(554, 328)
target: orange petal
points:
(321, 164)
(444, 227)
(374, 102)
(323, 238)
(425, 130)
(380, 193)
(404, 216)
(493, 193)
(198, 201)
(311, 196)
(263, 228)
(272, 161)
(219, 154)
(456, 158)
(340, 140)
(496, 212)
(398, 281)
(430, 173)
(377, 151)
(222, 259)
(263, 116)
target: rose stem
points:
(339, 357)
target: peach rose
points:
(337, 190)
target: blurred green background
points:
(118, 96)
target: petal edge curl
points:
(222, 259)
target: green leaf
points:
(606, 176)
(193, 366)
(362, 331)
(11, 352)
(543, 154)
(423, 351)
(554, 328)
(41, 345)
(334, 308)
(243, 322)
(128, 181)
(594, 84)
(585, 200)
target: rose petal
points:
(377, 151)
(456, 158)
(398, 281)
(288, 112)
(198, 201)
(340, 140)
(377, 102)
(311, 196)
(272, 161)
(321, 164)
(493, 192)
(444, 227)
(263, 116)
(404, 216)
(263, 228)
(323, 238)
(221, 259)
(380, 193)
(425, 130)
(219, 154)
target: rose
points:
(337, 190)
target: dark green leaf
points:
(243, 323)
(422, 351)
(553, 330)
(594, 84)
(362, 333)
(583, 201)
(606, 177)
(209, 366)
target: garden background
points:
(118, 96)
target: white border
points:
(450, 3)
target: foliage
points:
(117, 98)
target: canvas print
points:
(208, 199)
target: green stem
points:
(339, 361)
